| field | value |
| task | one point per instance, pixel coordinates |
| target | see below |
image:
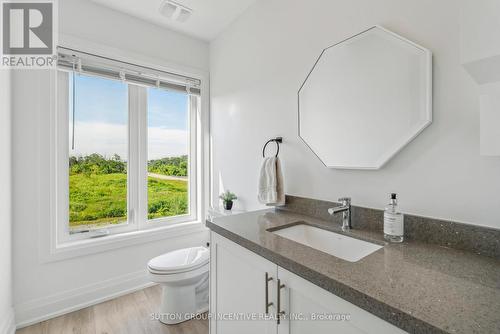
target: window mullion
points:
(193, 156)
(142, 158)
(134, 97)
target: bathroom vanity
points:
(247, 283)
(271, 273)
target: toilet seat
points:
(179, 278)
(179, 261)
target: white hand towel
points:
(271, 191)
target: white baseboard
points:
(41, 309)
(7, 325)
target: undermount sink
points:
(339, 245)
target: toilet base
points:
(182, 303)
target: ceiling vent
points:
(175, 11)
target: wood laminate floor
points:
(129, 314)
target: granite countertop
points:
(421, 288)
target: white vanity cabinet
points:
(238, 289)
(302, 298)
(238, 285)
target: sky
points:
(101, 117)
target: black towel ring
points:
(277, 140)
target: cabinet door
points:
(304, 303)
(238, 288)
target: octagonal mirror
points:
(365, 99)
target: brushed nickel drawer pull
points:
(280, 313)
(268, 279)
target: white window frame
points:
(144, 222)
(54, 248)
(62, 154)
(137, 160)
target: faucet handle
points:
(345, 200)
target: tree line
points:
(176, 166)
(97, 164)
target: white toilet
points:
(183, 274)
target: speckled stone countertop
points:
(421, 288)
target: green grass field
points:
(101, 199)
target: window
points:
(129, 161)
(168, 153)
(98, 152)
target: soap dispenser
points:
(393, 221)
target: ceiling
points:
(209, 17)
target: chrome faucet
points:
(345, 208)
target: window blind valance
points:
(90, 64)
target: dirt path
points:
(168, 177)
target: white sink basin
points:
(335, 244)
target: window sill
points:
(91, 246)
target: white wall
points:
(42, 289)
(480, 53)
(87, 20)
(479, 26)
(6, 311)
(258, 64)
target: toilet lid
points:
(180, 260)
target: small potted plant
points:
(228, 198)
